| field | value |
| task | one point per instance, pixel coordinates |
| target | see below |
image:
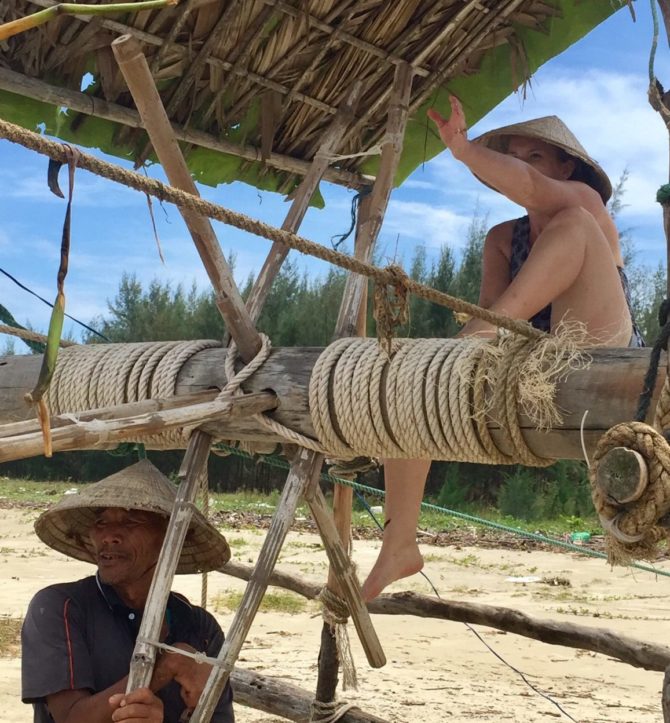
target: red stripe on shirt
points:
(69, 643)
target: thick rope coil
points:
(432, 398)
(335, 613)
(97, 376)
(635, 529)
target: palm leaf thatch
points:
(253, 84)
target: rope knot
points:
(391, 306)
(335, 613)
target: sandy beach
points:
(436, 669)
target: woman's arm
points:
(514, 178)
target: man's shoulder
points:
(197, 614)
(62, 591)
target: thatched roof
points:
(261, 79)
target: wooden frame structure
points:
(266, 83)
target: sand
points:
(436, 669)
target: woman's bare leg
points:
(399, 557)
(570, 266)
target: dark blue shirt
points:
(81, 636)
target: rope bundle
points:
(635, 529)
(100, 375)
(430, 398)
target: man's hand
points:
(139, 706)
(454, 130)
(191, 675)
(185, 671)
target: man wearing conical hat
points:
(561, 261)
(78, 637)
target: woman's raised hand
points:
(450, 130)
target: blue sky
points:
(598, 87)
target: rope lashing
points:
(636, 528)
(431, 398)
(100, 375)
(155, 188)
(329, 712)
(336, 614)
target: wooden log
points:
(136, 71)
(638, 653)
(608, 389)
(273, 696)
(665, 700)
(622, 475)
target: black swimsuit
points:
(542, 320)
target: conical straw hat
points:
(141, 486)
(551, 129)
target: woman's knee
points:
(575, 219)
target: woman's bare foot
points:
(395, 561)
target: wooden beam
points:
(282, 699)
(304, 468)
(352, 322)
(98, 107)
(648, 655)
(135, 70)
(608, 389)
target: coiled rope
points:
(432, 398)
(96, 376)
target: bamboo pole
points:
(100, 108)
(303, 194)
(304, 468)
(97, 433)
(144, 655)
(135, 70)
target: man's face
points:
(126, 544)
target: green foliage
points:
(559, 491)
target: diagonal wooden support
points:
(303, 194)
(303, 470)
(138, 77)
(190, 472)
(136, 72)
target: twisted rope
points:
(431, 399)
(635, 529)
(392, 277)
(100, 375)
(329, 712)
(31, 335)
(335, 613)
